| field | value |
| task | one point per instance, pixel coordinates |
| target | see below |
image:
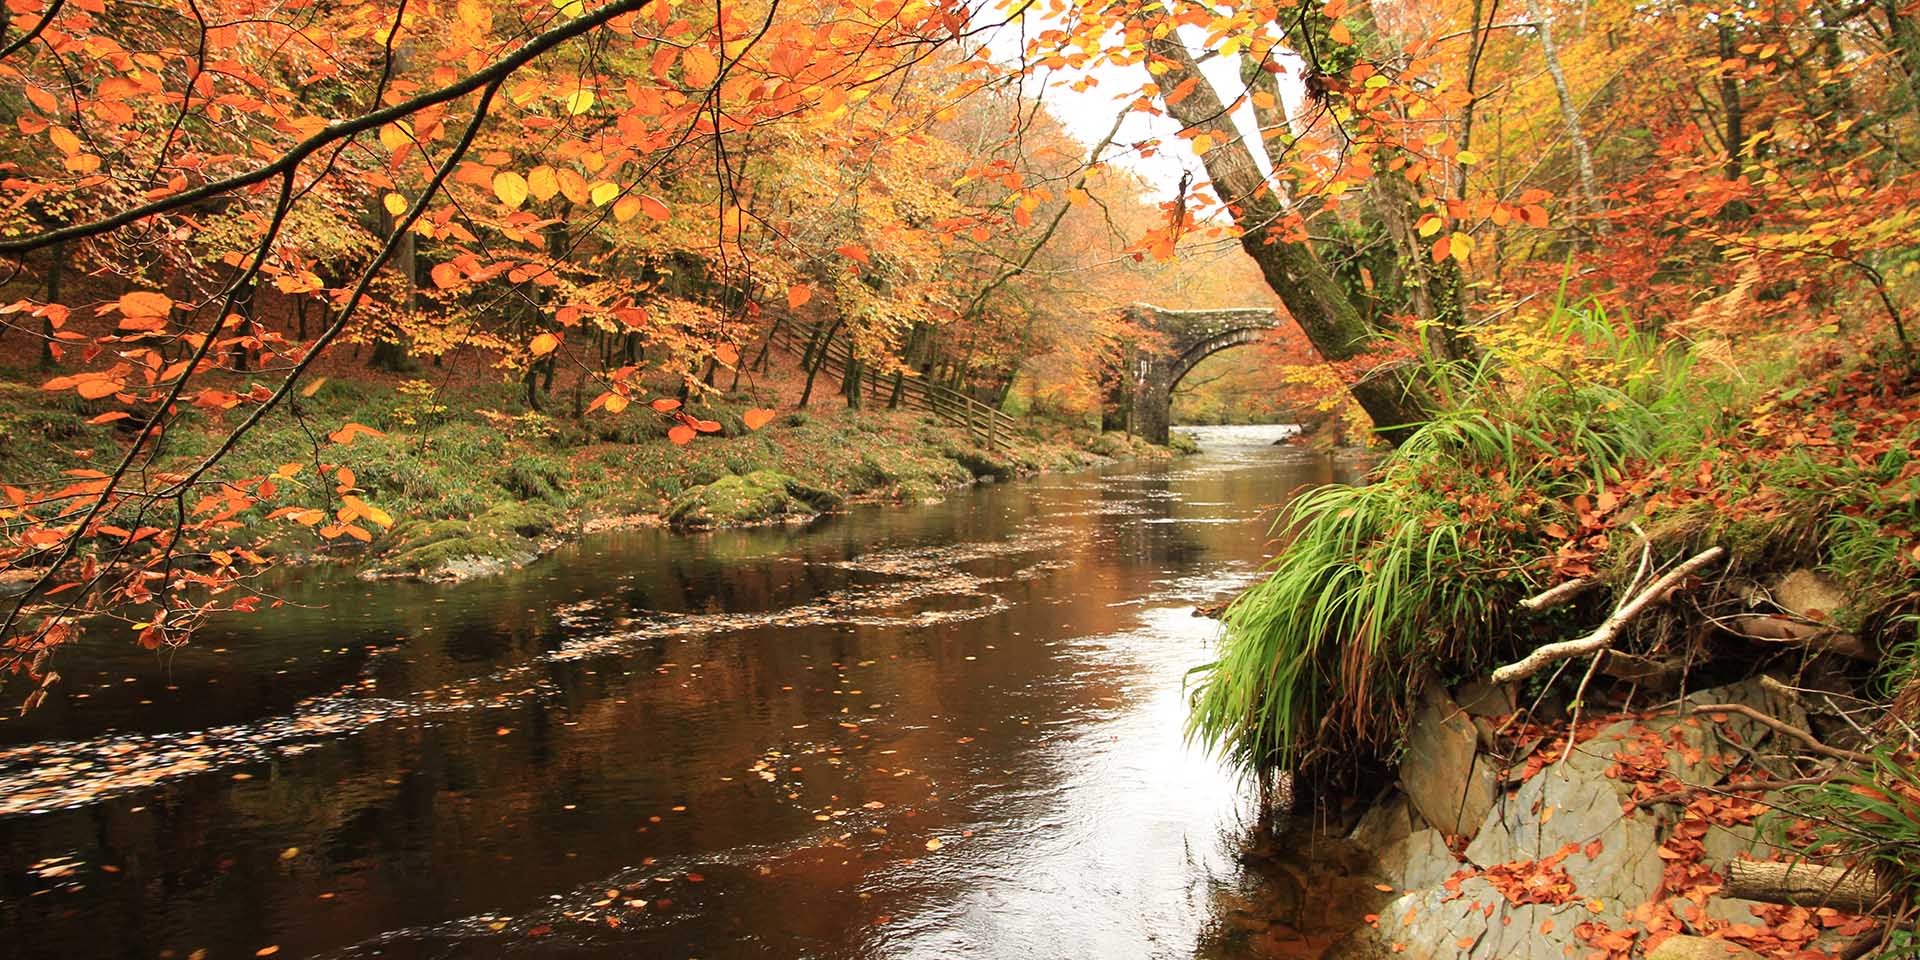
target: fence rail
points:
(990, 425)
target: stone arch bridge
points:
(1140, 399)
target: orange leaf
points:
(654, 207)
(757, 418)
(727, 353)
(707, 426)
(544, 344)
(797, 295)
(666, 404)
(680, 434)
(144, 303)
(855, 252)
(346, 433)
(111, 416)
(95, 389)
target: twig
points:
(1782, 727)
(1603, 636)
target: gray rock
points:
(1431, 924)
(1446, 780)
(1425, 860)
(1809, 594)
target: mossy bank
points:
(474, 490)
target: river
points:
(943, 730)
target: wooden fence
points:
(984, 422)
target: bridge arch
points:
(1142, 395)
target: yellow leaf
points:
(1467, 158)
(544, 344)
(395, 135)
(395, 203)
(314, 387)
(603, 193)
(579, 101)
(542, 183)
(616, 403)
(1461, 246)
(571, 8)
(510, 187)
(1202, 143)
(933, 844)
(1430, 225)
(627, 208)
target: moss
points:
(1182, 444)
(757, 497)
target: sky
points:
(1089, 114)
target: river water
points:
(935, 731)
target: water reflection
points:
(952, 730)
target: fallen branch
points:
(1783, 727)
(1855, 889)
(1818, 637)
(1603, 636)
(1559, 594)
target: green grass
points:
(1417, 571)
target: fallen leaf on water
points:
(266, 951)
(289, 853)
(1383, 887)
(933, 844)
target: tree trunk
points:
(1393, 397)
(1569, 111)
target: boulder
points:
(763, 496)
(1446, 780)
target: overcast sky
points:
(1089, 114)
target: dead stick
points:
(1603, 636)
(1783, 727)
(1554, 596)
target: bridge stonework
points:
(1140, 399)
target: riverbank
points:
(472, 490)
(1596, 527)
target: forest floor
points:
(476, 481)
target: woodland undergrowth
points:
(1581, 460)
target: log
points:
(1850, 889)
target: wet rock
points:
(1383, 826)
(1699, 948)
(1446, 780)
(1476, 922)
